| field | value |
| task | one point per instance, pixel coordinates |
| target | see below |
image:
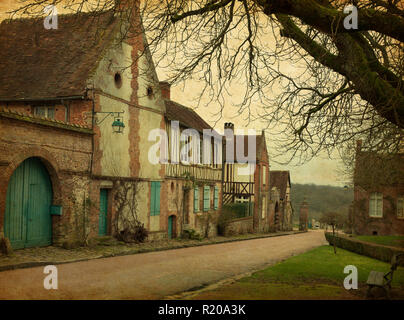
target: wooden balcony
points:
(231, 190)
(239, 188)
(198, 172)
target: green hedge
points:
(239, 210)
(369, 249)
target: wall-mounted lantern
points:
(117, 124)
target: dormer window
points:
(45, 111)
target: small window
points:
(376, 205)
(264, 207)
(45, 111)
(400, 207)
(264, 175)
(149, 92)
(118, 80)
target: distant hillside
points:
(320, 199)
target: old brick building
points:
(68, 170)
(194, 186)
(281, 204)
(378, 207)
(248, 183)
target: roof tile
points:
(36, 63)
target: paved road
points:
(157, 274)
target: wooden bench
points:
(381, 279)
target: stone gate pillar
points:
(304, 216)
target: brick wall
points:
(64, 150)
(389, 223)
(239, 226)
(74, 111)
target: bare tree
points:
(335, 220)
(317, 84)
(126, 223)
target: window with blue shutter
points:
(155, 198)
(216, 199)
(206, 198)
(196, 199)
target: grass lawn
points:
(316, 274)
(395, 241)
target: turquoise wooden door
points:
(27, 220)
(103, 219)
(170, 227)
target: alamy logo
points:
(51, 280)
(51, 21)
(351, 20)
(187, 147)
(351, 280)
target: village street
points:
(156, 275)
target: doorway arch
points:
(172, 229)
(27, 219)
(276, 216)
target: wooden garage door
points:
(27, 221)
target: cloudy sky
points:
(320, 170)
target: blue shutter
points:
(157, 202)
(196, 199)
(216, 199)
(206, 198)
(155, 198)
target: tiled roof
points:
(279, 179)
(185, 116)
(36, 63)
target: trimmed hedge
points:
(240, 210)
(372, 250)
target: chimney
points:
(165, 90)
(229, 125)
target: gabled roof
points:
(36, 63)
(185, 116)
(279, 179)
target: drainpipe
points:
(92, 128)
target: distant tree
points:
(321, 198)
(335, 220)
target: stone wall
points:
(239, 226)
